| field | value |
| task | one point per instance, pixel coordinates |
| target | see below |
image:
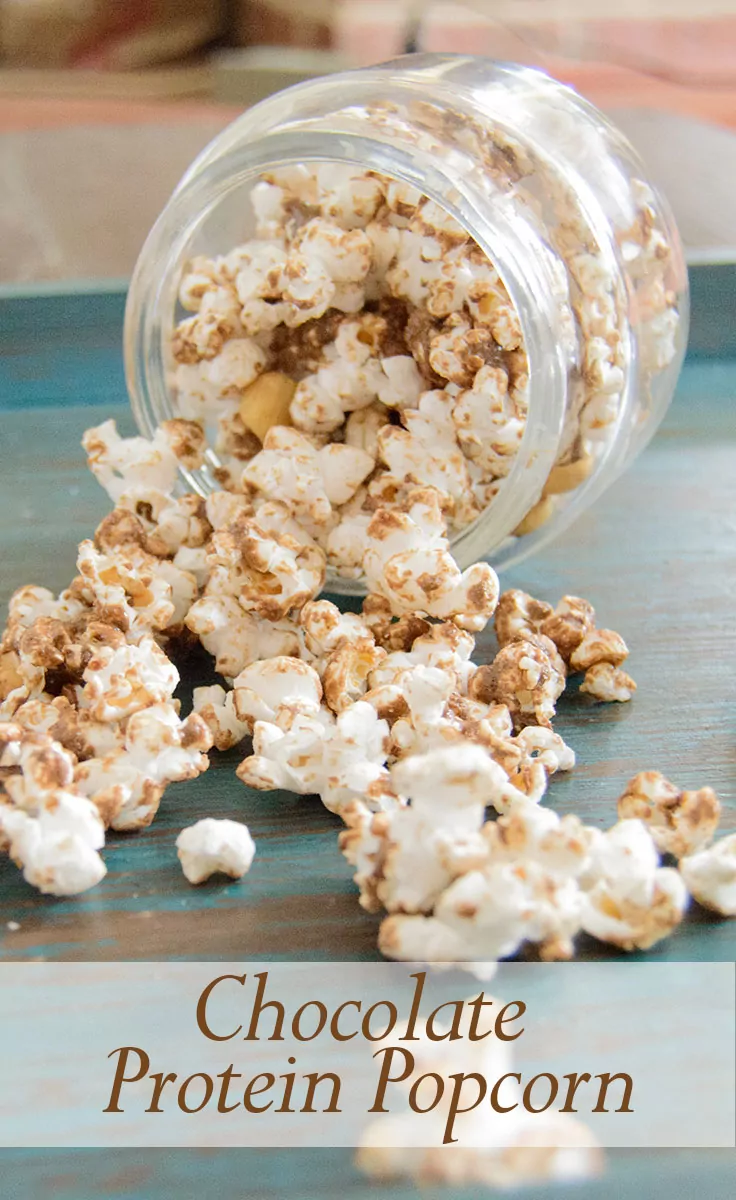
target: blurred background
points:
(103, 103)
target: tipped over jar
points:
(439, 273)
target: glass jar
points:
(549, 190)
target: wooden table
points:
(657, 556)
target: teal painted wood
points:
(657, 557)
(329, 1175)
(61, 344)
(61, 347)
(713, 303)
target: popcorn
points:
(54, 859)
(518, 614)
(476, 919)
(73, 729)
(326, 629)
(426, 451)
(527, 675)
(306, 480)
(555, 1148)
(364, 295)
(34, 767)
(192, 560)
(525, 890)
(159, 748)
(353, 761)
(606, 682)
(659, 340)
(436, 717)
(308, 289)
(122, 464)
(493, 308)
(364, 314)
(349, 380)
(385, 240)
(324, 267)
(130, 591)
(599, 646)
(546, 747)
(443, 646)
(345, 545)
(50, 830)
(403, 384)
(269, 206)
(571, 620)
(458, 352)
(437, 838)
(287, 758)
(216, 707)
(270, 574)
(343, 469)
(489, 429)
(405, 858)
(236, 367)
(121, 679)
(346, 255)
(187, 441)
(273, 687)
(408, 562)
(28, 603)
(346, 195)
(212, 847)
(363, 426)
(425, 691)
(223, 507)
(710, 875)
(205, 335)
(347, 671)
(207, 390)
(681, 823)
(200, 276)
(236, 638)
(629, 900)
(170, 523)
(598, 415)
(342, 762)
(260, 267)
(499, 1151)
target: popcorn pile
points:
(362, 345)
(90, 734)
(384, 715)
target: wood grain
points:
(329, 1175)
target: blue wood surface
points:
(657, 556)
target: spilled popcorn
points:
(385, 715)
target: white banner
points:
(339, 1054)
